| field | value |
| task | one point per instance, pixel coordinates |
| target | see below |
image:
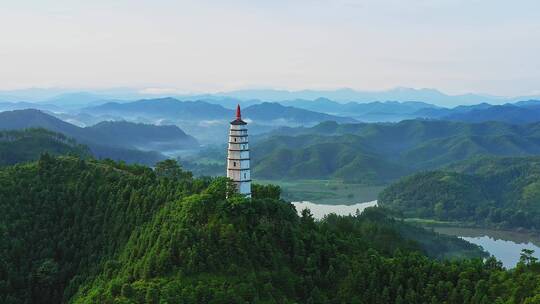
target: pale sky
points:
(457, 46)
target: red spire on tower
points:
(238, 113)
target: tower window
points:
(244, 175)
(234, 164)
(235, 139)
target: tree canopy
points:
(87, 231)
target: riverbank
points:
(319, 211)
(457, 224)
(506, 246)
(454, 248)
(326, 192)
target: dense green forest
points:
(26, 145)
(62, 217)
(486, 191)
(87, 231)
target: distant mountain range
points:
(171, 108)
(274, 111)
(374, 153)
(369, 112)
(118, 140)
(350, 95)
(10, 106)
(427, 95)
(517, 113)
(432, 96)
(341, 105)
(309, 112)
(525, 112)
(208, 119)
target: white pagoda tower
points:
(238, 155)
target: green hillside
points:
(143, 136)
(502, 192)
(118, 140)
(86, 231)
(27, 145)
(345, 157)
(378, 153)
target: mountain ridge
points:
(118, 140)
(393, 149)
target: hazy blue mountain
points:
(506, 113)
(267, 111)
(24, 119)
(210, 121)
(215, 110)
(372, 111)
(226, 102)
(346, 95)
(143, 136)
(392, 111)
(526, 111)
(200, 110)
(78, 100)
(229, 99)
(10, 106)
(527, 103)
(84, 119)
(440, 112)
(323, 105)
(388, 107)
(117, 140)
(45, 94)
(30, 94)
(165, 108)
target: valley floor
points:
(327, 192)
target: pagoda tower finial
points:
(238, 112)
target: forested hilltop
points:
(118, 140)
(18, 146)
(485, 191)
(86, 231)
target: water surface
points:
(319, 210)
(506, 246)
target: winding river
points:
(505, 246)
